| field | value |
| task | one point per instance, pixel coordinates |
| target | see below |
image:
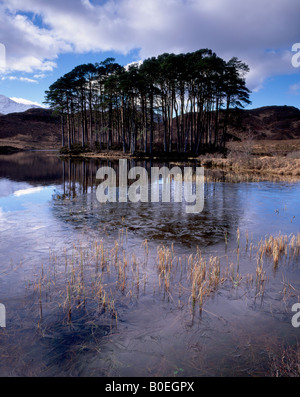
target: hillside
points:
(40, 129)
(33, 129)
(269, 122)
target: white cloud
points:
(260, 33)
(24, 192)
(29, 48)
(9, 78)
(39, 76)
(23, 79)
(27, 80)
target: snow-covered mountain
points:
(7, 105)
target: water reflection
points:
(49, 205)
(42, 168)
(259, 208)
(77, 203)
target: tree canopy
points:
(168, 103)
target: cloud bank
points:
(261, 33)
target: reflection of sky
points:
(30, 190)
(270, 208)
(27, 228)
(259, 208)
(8, 187)
(16, 196)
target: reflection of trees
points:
(34, 167)
(77, 204)
(79, 176)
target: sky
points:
(40, 40)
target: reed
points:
(285, 362)
(146, 251)
(226, 239)
(278, 247)
(95, 277)
(205, 277)
(288, 290)
(294, 245)
(238, 236)
(165, 257)
(261, 277)
(234, 276)
(85, 287)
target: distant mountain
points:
(268, 122)
(8, 105)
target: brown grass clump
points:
(205, 276)
(274, 247)
(281, 167)
(165, 257)
(258, 160)
(95, 278)
(87, 279)
(279, 246)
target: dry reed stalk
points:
(146, 251)
(205, 277)
(238, 236)
(165, 258)
(278, 247)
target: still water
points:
(51, 222)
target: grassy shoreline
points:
(269, 159)
(264, 158)
(260, 165)
(261, 159)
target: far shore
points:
(279, 159)
(273, 158)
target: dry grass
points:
(88, 279)
(286, 363)
(165, 258)
(92, 278)
(205, 277)
(282, 167)
(274, 247)
(265, 147)
(90, 283)
(279, 246)
(275, 160)
(87, 286)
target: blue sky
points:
(45, 39)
